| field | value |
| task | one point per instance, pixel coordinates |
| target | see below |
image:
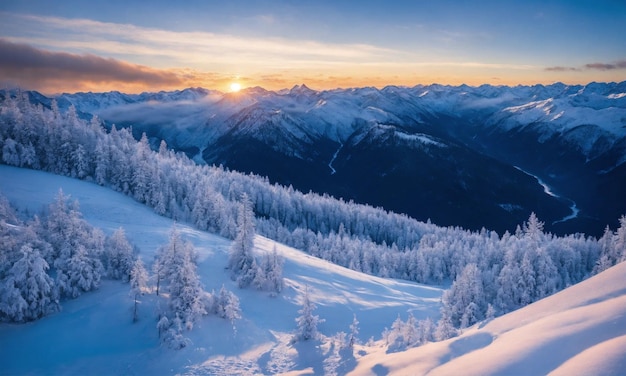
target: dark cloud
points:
(604, 66)
(30, 66)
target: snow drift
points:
(579, 331)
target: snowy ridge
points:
(579, 331)
(420, 137)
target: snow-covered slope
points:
(94, 334)
(579, 331)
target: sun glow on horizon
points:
(235, 87)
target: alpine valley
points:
(464, 156)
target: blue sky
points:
(140, 45)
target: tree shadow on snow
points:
(310, 355)
(347, 362)
(380, 370)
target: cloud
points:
(198, 49)
(562, 69)
(28, 66)
(621, 64)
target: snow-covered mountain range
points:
(454, 154)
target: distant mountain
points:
(460, 155)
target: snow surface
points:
(616, 96)
(420, 137)
(95, 335)
(578, 331)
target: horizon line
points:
(8, 88)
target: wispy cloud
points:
(607, 66)
(200, 49)
(620, 64)
(212, 51)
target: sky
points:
(135, 46)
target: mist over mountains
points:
(465, 156)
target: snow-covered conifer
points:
(491, 312)
(119, 255)
(395, 336)
(354, 331)
(83, 273)
(185, 289)
(226, 305)
(467, 289)
(28, 292)
(163, 325)
(410, 333)
(174, 334)
(138, 283)
(240, 258)
(445, 329)
(269, 276)
(425, 330)
(307, 322)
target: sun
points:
(235, 87)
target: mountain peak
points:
(301, 89)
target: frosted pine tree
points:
(174, 337)
(240, 258)
(226, 305)
(467, 289)
(307, 322)
(119, 256)
(83, 273)
(138, 284)
(170, 257)
(269, 276)
(425, 330)
(444, 329)
(185, 289)
(395, 336)
(28, 292)
(410, 333)
(354, 331)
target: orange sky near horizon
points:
(133, 46)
